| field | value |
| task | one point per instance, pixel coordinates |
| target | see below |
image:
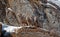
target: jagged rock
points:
(39, 13)
(25, 12)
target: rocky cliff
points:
(39, 13)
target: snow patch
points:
(51, 5)
(9, 28)
(10, 9)
(57, 2)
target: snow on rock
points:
(57, 2)
(51, 5)
(9, 28)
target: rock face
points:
(25, 12)
(32, 12)
(39, 13)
